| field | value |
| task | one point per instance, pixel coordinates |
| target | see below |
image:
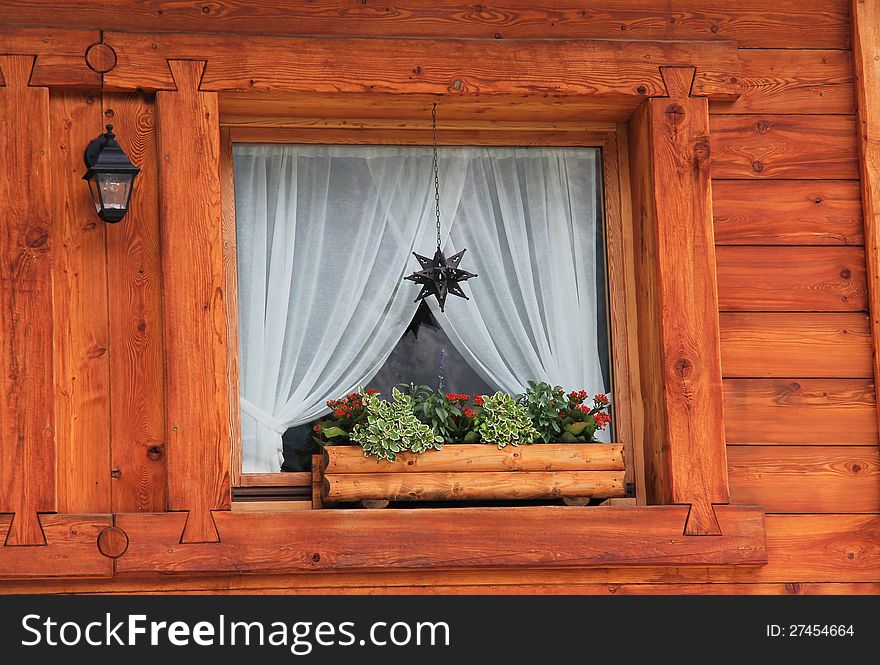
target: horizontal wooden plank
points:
(269, 506)
(806, 479)
(800, 411)
(784, 344)
(610, 69)
(71, 549)
(787, 212)
(556, 537)
(438, 584)
(60, 53)
(285, 479)
(413, 111)
(784, 146)
(752, 23)
(791, 279)
(806, 554)
(475, 457)
(793, 81)
(468, 137)
(472, 485)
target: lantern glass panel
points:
(114, 189)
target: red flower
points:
(372, 391)
(317, 428)
(478, 400)
(601, 399)
(602, 420)
(467, 412)
(450, 397)
(339, 413)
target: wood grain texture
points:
(822, 279)
(440, 583)
(471, 485)
(464, 457)
(675, 176)
(866, 53)
(134, 268)
(752, 23)
(70, 551)
(784, 146)
(197, 390)
(800, 411)
(787, 212)
(556, 537)
(60, 54)
(806, 479)
(27, 437)
(657, 482)
(628, 424)
(784, 344)
(603, 69)
(82, 336)
(793, 81)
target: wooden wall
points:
(801, 418)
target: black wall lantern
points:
(110, 176)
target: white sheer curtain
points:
(324, 238)
(528, 218)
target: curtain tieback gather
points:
(264, 418)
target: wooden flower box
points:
(474, 472)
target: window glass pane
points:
(325, 236)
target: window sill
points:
(442, 538)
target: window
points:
(325, 235)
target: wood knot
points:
(154, 453)
(845, 273)
(794, 386)
(36, 237)
(100, 58)
(855, 468)
(316, 557)
(757, 166)
(116, 473)
(702, 151)
(674, 114)
(792, 587)
(762, 127)
(683, 367)
(112, 542)
(642, 90)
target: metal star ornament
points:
(440, 276)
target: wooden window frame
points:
(659, 89)
(619, 274)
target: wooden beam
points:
(612, 69)
(752, 23)
(806, 479)
(82, 339)
(787, 212)
(802, 344)
(555, 537)
(60, 54)
(673, 199)
(134, 269)
(27, 428)
(464, 457)
(866, 53)
(71, 549)
(197, 389)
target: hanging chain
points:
(436, 169)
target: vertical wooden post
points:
(27, 453)
(669, 153)
(866, 57)
(197, 393)
(81, 342)
(134, 269)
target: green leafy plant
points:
(345, 413)
(565, 417)
(543, 403)
(391, 427)
(449, 414)
(504, 422)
